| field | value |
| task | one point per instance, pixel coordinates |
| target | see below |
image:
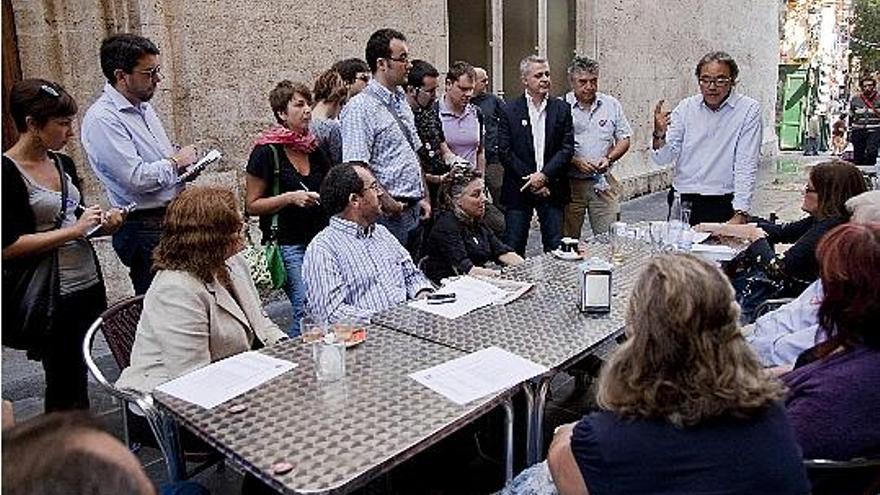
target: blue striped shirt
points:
(351, 272)
(128, 149)
(370, 134)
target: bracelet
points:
(174, 161)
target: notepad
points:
(223, 380)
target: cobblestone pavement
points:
(780, 186)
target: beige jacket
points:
(187, 324)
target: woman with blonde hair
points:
(202, 305)
(685, 406)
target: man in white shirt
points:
(714, 139)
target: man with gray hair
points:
(714, 139)
(535, 144)
(601, 137)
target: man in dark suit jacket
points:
(535, 144)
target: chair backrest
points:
(119, 327)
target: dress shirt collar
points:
(731, 101)
(384, 94)
(350, 228)
(575, 103)
(530, 103)
(121, 102)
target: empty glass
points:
(656, 232)
(329, 357)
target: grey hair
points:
(531, 59)
(721, 57)
(582, 64)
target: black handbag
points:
(31, 290)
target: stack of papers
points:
(470, 293)
(223, 380)
(478, 374)
(714, 252)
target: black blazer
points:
(517, 152)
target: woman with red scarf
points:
(284, 173)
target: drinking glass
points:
(617, 234)
(329, 357)
(312, 329)
(656, 231)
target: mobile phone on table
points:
(441, 298)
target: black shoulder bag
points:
(31, 290)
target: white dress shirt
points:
(537, 119)
(716, 151)
(780, 336)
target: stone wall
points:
(647, 50)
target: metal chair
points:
(119, 323)
(860, 475)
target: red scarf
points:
(303, 141)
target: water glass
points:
(656, 232)
(329, 357)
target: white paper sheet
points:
(478, 374)
(218, 382)
(701, 236)
(470, 294)
(714, 252)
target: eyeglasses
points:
(809, 189)
(50, 90)
(717, 81)
(373, 185)
(404, 58)
(365, 78)
(154, 72)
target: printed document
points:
(478, 374)
(470, 293)
(218, 382)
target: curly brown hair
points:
(281, 95)
(330, 88)
(686, 360)
(202, 228)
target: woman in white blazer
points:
(202, 305)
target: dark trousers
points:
(66, 373)
(704, 208)
(134, 244)
(518, 220)
(865, 144)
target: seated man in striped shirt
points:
(354, 267)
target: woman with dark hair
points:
(44, 213)
(202, 305)
(767, 275)
(330, 95)
(833, 400)
(284, 173)
(685, 405)
(459, 242)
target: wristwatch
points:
(661, 136)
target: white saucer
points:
(566, 256)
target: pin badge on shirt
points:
(525, 123)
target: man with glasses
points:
(130, 152)
(355, 74)
(864, 122)
(421, 94)
(714, 138)
(354, 267)
(378, 130)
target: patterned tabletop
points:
(337, 436)
(544, 325)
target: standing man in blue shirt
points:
(601, 137)
(129, 151)
(378, 130)
(714, 138)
